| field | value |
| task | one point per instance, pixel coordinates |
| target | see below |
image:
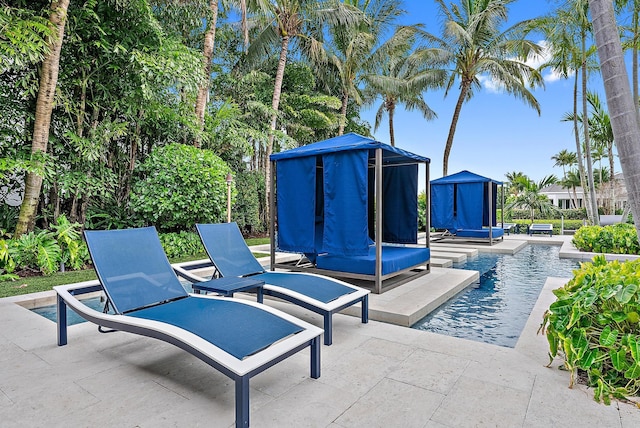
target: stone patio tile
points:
(430, 370)
(474, 403)
(310, 404)
(554, 404)
(392, 404)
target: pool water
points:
(96, 303)
(51, 311)
(496, 308)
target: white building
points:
(566, 198)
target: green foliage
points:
(249, 203)
(24, 38)
(74, 252)
(179, 186)
(557, 225)
(577, 214)
(8, 217)
(181, 244)
(614, 239)
(594, 326)
(44, 251)
(422, 210)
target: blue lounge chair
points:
(239, 338)
(231, 257)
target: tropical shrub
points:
(44, 251)
(572, 214)
(594, 325)
(248, 203)
(179, 186)
(181, 244)
(614, 239)
(422, 210)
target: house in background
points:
(563, 198)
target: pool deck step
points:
(443, 263)
(454, 257)
(411, 302)
(469, 252)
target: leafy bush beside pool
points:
(594, 324)
(614, 239)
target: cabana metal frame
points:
(378, 201)
(454, 207)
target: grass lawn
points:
(35, 284)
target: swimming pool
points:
(50, 312)
(96, 303)
(496, 308)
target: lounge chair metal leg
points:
(328, 330)
(242, 401)
(61, 308)
(315, 357)
(365, 309)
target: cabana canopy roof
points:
(464, 177)
(351, 141)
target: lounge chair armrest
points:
(191, 277)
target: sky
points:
(496, 133)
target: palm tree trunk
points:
(452, 129)
(576, 133)
(275, 103)
(634, 53)
(207, 54)
(44, 107)
(587, 144)
(622, 108)
(343, 112)
(390, 109)
(612, 179)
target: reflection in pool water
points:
(496, 309)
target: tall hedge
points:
(180, 185)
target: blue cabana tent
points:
(326, 194)
(465, 205)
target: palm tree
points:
(286, 21)
(602, 135)
(402, 79)
(599, 125)
(581, 12)
(624, 113)
(351, 48)
(531, 198)
(207, 55)
(563, 159)
(42, 121)
(515, 180)
(566, 31)
(572, 181)
(474, 45)
(633, 43)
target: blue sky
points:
(496, 133)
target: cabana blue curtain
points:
(470, 203)
(296, 198)
(345, 203)
(400, 204)
(442, 214)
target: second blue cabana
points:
(465, 205)
(338, 200)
